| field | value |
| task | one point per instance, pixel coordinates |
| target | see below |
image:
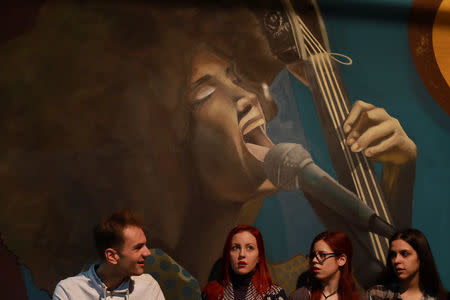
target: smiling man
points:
(121, 245)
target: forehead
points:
(398, 245)
(205, 62)
(133, 235)
(243, 237)
(322, 246)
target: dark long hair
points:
(261, 278)
(340, 244)
(429, 280)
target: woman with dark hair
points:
(330, 263)
(411, 271)
(244, 270)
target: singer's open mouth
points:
(257, 142)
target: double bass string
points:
(317, 58)
(320, 62)
(375, 242)
(346, 153)
(356, 178)
(313, 42)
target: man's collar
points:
(127, 285)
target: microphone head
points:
(283, 165)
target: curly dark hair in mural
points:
(97, 116)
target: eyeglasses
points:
(322, 256)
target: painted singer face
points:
(244, 254)
(404, 260)
(229, 138)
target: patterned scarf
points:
(252, 293)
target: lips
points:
(242, 264)
(253, 128)
(250, 117)
(252, 124)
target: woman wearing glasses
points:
(330, 259)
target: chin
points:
(322, 277)
(137, 272)
(404, 276)
(242, 271)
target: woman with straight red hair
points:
(330, 260)
(244, 270)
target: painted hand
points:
(380, 136)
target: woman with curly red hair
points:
(330, 260)
(244, 270)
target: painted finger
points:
(355, 112)
(373, 135)
(360, 126)
(352, 137)
(368, 119)
(384, 147)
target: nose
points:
(241, 254)
(241, 95)
(245, 101)
(395, 259)
(146, 252)
(243, 98)
(244, 104)
(314, 260)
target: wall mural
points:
(171, 110)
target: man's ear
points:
(342, 260)
(111, 256)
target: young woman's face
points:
(228, 129)
(244, 253)
(325, 263)
(404, 259)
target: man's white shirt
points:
(87, 285)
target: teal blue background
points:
(375, 35)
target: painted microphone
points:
(290, 167)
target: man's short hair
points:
(109, 232)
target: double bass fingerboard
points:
(333, 106)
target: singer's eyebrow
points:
(231, 72)
(199, 81)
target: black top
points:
(240, 284)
